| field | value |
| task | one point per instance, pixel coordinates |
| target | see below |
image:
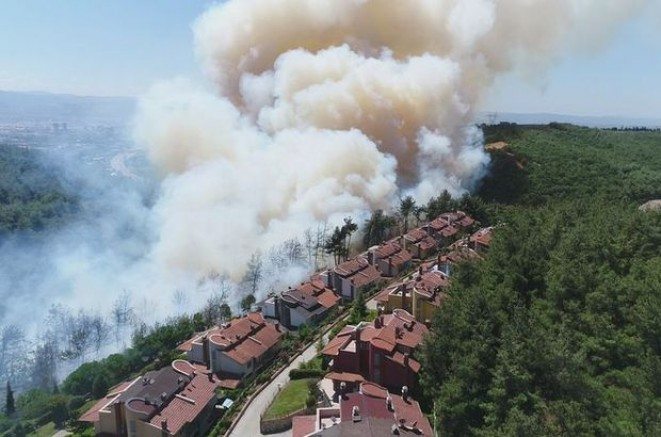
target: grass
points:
(45, 431)
(291, 398)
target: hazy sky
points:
(120, 47)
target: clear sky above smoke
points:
(95, 47)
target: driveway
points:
(248, 425)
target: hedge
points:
(306, 373)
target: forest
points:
(558, 330)
(32, 198)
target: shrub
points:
(306, 373)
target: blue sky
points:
(121, 47)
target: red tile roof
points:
(416, 235)
(352, 266)
(366, 276)
(188, 403)
(303, 425)
(388, 249)
(483, 236)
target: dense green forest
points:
(558, 331)
(31, 196)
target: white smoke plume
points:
(320, 109)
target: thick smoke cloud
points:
(320, 109)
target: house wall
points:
(222, 362)
(297, 320)
(196, 353)
(384, 267)
(105, 424)
(268, 309)
(347, 362)
(347, 288)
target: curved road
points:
(248, 425)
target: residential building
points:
(448, 226)
(420, 294)
(380, 351)
(459, 253)
(177, 400)
(370, 412)
(307, 304)
(237, 348)
(353, 276)
(419, 243)
(390, 258)
(481, 240)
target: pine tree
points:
(10, 406)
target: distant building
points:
(390, 258)
(381, 351)
(237, 348)
(178, 400)
(353, 276)
(370, 412)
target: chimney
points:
(206, 353)
(329, 280)
(389, 402)
(420, 270)
(377, 322)
(406, 359)
(438, 261)
(370, 257)
(390, 266)
(210, 375)
(405, 393)
(164, 425)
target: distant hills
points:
(579, 120)
(39, 108)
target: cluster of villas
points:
(368, 363)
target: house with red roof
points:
(481, 240)
(370, 412)
(458, 253)
(177, 400)
(237, 348)
(380, 351)
(448, 226)
(306, 304)
(390, 258)
(354, 275)
(421, 293)
(419, 243)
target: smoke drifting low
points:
(327, 108)
(314, 110)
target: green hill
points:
(558, 331)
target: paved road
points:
(249, 423)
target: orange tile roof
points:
(188, 403)
(483, 236)
(352, 266)
(388, 249)
(416, 235)
(303, 425)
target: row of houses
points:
(180, 399)
(378, 358)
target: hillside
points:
(557, 332)
(31, 196)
